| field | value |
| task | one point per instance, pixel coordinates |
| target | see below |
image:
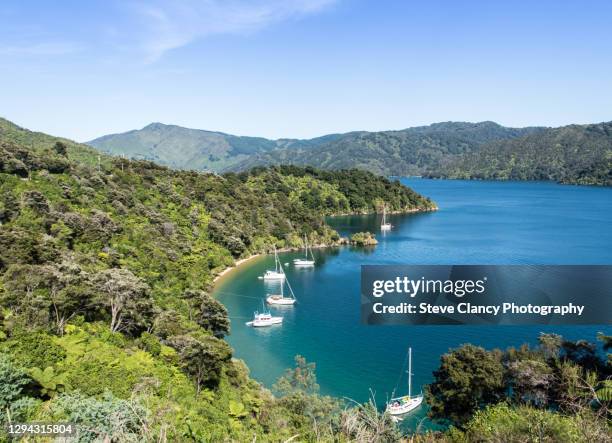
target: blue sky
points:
(299, 68)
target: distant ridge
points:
(186, 148)
(578, 154)
(407, 151)
(485, 150)
(411, 151)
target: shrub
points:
(34, 350)
(520, 424)
(12, 381)
(105, 419)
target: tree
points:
(530, 380)
(60, 148)
(52, 293)
(299, 390)
(301, 378)
(67, 292)
(126, 298)
(550, 344)
(22, 295)
(607, 345)
(583, 353)
(212, 315)
(468, 379)
(202, 358)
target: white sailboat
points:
(278, 273)
(305, 261)
(407, 403)
(280, 299)
(265, 318)
(385, 226)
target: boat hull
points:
(404, 405)
(301, 262)
(280, 300)
(264, 323)
(273, 276)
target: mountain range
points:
(413, 151)
(407, 151)
(185, 148)
(578, 154)
(484, 150)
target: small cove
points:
(479, 222)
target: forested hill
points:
(105, 318)
(412, 151)
(186, 148)
(409, 151)
(580, 154)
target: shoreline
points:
(401, 211)
(243, 261)
(238, 263)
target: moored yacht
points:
(407, 403)
(385, 226)
(278, 273)
(280, 299)
(265, 318)
(305, 261)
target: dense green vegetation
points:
(105, 267)
(557, 391)
(570, 154)
(412, 151)
(363, 239)
(185, 148)
(409, 151)
(106, 319)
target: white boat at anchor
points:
(403, 405)
(280, 299)
(305, 261)
(278, 273)
(263, 319)
(385, 226)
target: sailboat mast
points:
(290, 289)
(276, 263)
(410, 372)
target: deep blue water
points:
(479, 222)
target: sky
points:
(300, 68)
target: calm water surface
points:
(478, 222)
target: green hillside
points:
(105, 317)
(571, 154)
(40, 143)
(185, 148)
(412, 151)
(579, 154)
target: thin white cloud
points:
(162, 26)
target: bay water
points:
(479, 222)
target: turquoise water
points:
(478, 222)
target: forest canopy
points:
(106, 266)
